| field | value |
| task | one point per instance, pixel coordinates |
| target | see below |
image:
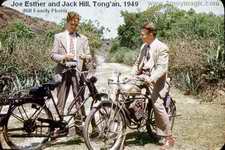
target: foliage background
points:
(196, 42)
(25, 53)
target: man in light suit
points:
(152, 66)
(69, 46)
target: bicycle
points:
(115, 115)
(29, 123)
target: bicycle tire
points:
(6, 127)
(121, 137)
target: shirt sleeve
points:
(55, 56)
(161, 67)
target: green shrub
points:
(26, 54)
(196, 42)
(123, 55)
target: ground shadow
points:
(139, 138)
(73, 141)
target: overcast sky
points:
(110, 17)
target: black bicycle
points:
(131, 109)
(29, 122)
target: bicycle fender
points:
(100, 103)
(99, 95)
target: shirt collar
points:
(74, 34)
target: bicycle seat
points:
(40, 91)
(43, 90)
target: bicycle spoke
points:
(103, 113)
(15, 129)
(38, 113)
(112, 118)
(17, 117)
(104, 116)
(97, 123)
(25, 112)
(34, 113)
(20, 113)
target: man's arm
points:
(55, 56)
(161, 66)
(86, 50)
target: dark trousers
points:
(68, 79)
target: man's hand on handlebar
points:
(146, 79)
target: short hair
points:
(71, 15)
(150, 27)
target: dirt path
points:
(199, 126)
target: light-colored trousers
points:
(161, 116)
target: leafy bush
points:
(121, 54)
(124, 55)
(196, 42)
(26, 54)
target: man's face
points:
(72, 24)
(146, 36)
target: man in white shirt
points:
(69, 46)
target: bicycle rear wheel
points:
(109, 132)
(24, 128)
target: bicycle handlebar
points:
(73, 66)
(111, 81)
(126, 80)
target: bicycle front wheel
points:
(25, 128)
(109, 131)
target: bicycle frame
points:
(92, 93)
(121, 104)
(127, 114)
(14, 101)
